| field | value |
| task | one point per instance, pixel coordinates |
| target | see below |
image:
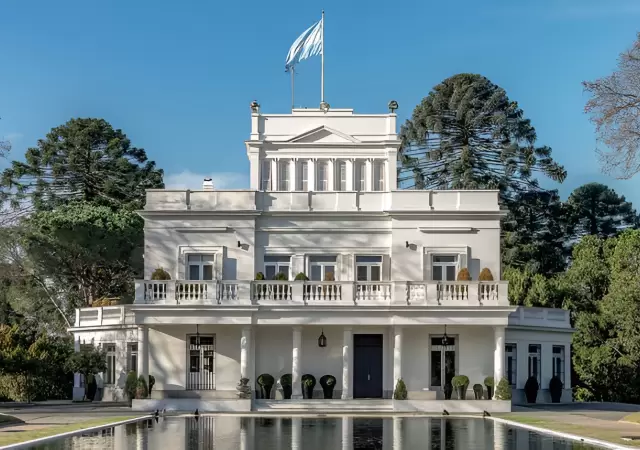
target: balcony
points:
(322, 293)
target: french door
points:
(443, 362)
(202, 368)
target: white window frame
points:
(554, 360)
(110, 372)
(444, 265)
(277, 265)
(132, 352)
(265, 175)
(341, 178)
(283, 175)
(201, 264)
(368, 265)
(302, 174)
(322, 185)
(360, 176)
(538, 355)
(323, 265)
(378, 176)
(513, 353)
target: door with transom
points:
(201, 373)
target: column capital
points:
(348, 329)
(297, 328)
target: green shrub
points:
(464, 275)
(265, 380)
(460, 381)
(478, 390)
(152, 382)
(485, 275)
(259, 276)
(308, 380)
(285, 380)
(160, 274)
(503, 391)
(281, 277)
(301, 277)
(131, 384)
(141, 388)
(327, 380)
(400, 392)
(488, 381)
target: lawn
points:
(15, 437)
(633, 417)
(555, 423)
(6, 419)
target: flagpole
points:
(293, 87)
(322, 69)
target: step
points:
(324, 405)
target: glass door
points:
(443, 362)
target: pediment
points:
(324, 134)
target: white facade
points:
(382, 263)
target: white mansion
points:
(380, 302)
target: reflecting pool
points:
(270, 433)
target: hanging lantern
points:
(322, 340)
(197, 337)
(445, 338)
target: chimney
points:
(207, 184)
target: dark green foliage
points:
(82, 160)
(152, 382)
(467, 134)
(400, 392)
(308, 380)
(131, 384)
(488, 381)
(478, 391)
(259, 276)
(281, 277)
(533, 289)
(460, 381)
(88, 361)
(160, 274)
(531, 389)
(142, 391)
(301, 277)
(596, 209)
(503, 391)
(327, 380)
(265, 380)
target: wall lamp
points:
(408, 245)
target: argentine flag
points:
(308, 44)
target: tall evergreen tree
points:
(595, 209)
(467, 134)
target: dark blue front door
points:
(367, 366)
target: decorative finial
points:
(255, 107)
(393, 105)
(325, 106)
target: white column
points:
(245, 352)
(331, 170)
(499, 437)
(293, 177)
(296, 433)
(498, 356)
(274, 174)
(143, 352)
(347, 433)
(368, 176)
(397, 355)
(347, 343)
(397, 433)
(349, 167)
(295, 366)
(311, 174)
(78, 390)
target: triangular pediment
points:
(323, 135)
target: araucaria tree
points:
(467, 134)
(614, 107)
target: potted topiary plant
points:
(464, 275)
(92, 387)
(448, 390)
(301, 277)
(265, 382)
(281, 290)
(460, 384)
(152, 382)
(160, 274)
(488, 382)
(244, 391)
(555, 389)
(531, 389)
(503, 391)
(485, 275)
(400, 392)
(308, 383)
(130, 385)
(328, 383)
(478, 390)
(141, 388)
(285, 382)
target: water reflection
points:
(347, 433)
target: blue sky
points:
(178, 77)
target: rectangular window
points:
(110, 374)
(322, 180)
(283, 175)
(558, 362)
(265, 176)
(511, 363)
(200, 267)
(443, 267)
(132, 356)
(341, 178)
(360, 176)
(378, 176)
(276, 264)
(303, 176)
(368, 268)
(535, 361)
(322, 268)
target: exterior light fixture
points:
(408, 245)
(445, 338)
(239, 244)
(393, 105)
(322, 340)
(255, 107)
(197, 345)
